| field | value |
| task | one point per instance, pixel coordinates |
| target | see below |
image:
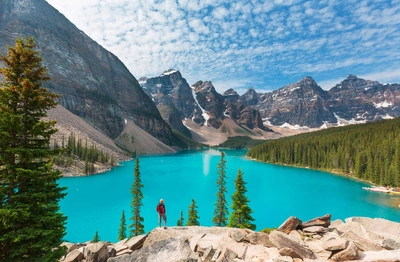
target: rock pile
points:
(356, 239)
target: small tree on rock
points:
(192, 215)
(241, 212)
(180, 222)
(96, 237)
(137, 227)
(221, 209)
(122, 227)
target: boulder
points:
(258, 238)
(227, 255)
(70, 246)
(97, 252)
(287, 251)
(135, 242)
(335, 244)
(350, 253)
(173, 249)
(316, 246)
(382, 227)
(111, 251)
(74, 256)
(281, 240)
(290, 224)
(315, 230)
(383, 255)
(208, 254)
(295, 235)
(323, 221)
(362, 243)
(389, 244)
(257, 253)
(237, 235)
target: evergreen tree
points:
(122, 227)
(137, 227)
(96, 237)
(181, 220)
(241, 212)
(32, 226)
(221, 209)
(192, 215)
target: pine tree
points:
(96, 237)
(137, 227)
(221, 209)
(180, 222)
(32, 226)
(241, 212)
(192, 215)
(122, 227)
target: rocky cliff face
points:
(306, 104)
(174, 99)
(94, 83)
(177, 101)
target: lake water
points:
(275, 193)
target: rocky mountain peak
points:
(353, 82)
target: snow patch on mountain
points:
(169, 72)
(204, 113)
(383, 104)
(344, 122)
(295, 127)
(191, 129)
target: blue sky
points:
(249, 43)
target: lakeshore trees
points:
(221, 209)
(192, 215)
(32, 226)
(241, 212)
(137, 227)
(370, 152)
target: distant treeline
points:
(239, 142)
(77, 149)
(366, 151)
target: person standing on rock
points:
(162, 213)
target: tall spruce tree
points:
(181, 220)
(31, 225)
(122, 227)
(221, 209)
(137, 227)
(241, 212)
(192, 215)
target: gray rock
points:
(74, 256)
(290, 224)
(281, 240)
(111, 251)
(258, 238)
(323, 221)
(237, 235)
(316, 247)
(362, 243)
(382, 227)
(216, 255)
(136, 242)
(227, 255)
(315, 230)
(97, 252)
(383, 255)
(172, 250)
(286, 251)
(350, 253)
(389, 244)
(335, 244)
(208, 254)
(70, 246)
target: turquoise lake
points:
(275, 192)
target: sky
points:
(247, 43)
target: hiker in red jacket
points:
(161, 213)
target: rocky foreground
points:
(356, 239)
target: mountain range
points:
(97, 88)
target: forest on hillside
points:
(370, 152)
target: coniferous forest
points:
(370, 152)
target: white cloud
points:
(256, 43)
